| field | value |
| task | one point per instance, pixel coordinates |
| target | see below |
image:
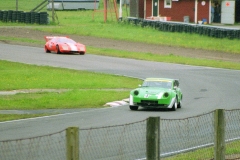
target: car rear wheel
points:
(46, 50)
(133, 107)
(58, 51)
(81, 53)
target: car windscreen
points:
(160, 84)
(65, 40)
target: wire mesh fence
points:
(189, 138)
(232, 134)
(184, 135)
(44, 147)
(115, 142)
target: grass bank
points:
(76, 89)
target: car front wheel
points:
(133, 107)
(58, 51)
(46, 50)
(174, 107)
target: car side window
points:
(175, 83)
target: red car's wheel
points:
(58, 51)
(82, 53)
(46, 50)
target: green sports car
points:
(156, 93)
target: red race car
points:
(63, 45)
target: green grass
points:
(9, 117)
(61, 100)
(23, 5)
(170, 58)
(23, 76)
(232, 149)
(76, 89)
(25, 40)
(81, 23)
(90, 23)
(86, 85)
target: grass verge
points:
(77, 89)
(9, 117)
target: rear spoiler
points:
(48, 38)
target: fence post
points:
(153, 138)
(16, 5)
(219, 135)
(53, 13)
(72, 143)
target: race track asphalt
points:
(204, 89)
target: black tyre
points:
(58, 51)
(180, 103)
(46, 50)
(133, 107)
(174, 107)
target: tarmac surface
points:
(109, 104)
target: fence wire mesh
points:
(184, 135)
(45, 147)
(189, 138)
(232, 134)
(114, 143)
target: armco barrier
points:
(206, 30)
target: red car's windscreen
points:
(63, 40)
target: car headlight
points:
(166, 94)
(82, 48)
(65, 47)
(136, 92)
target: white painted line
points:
(51, 116)
(116, 103)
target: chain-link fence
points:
(178, 137)
(44, 147)
(184, 135)
(232, 134)
(115, 142)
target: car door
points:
(53, 44)
(228, 12)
